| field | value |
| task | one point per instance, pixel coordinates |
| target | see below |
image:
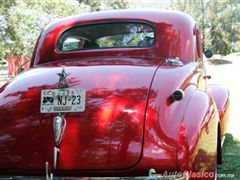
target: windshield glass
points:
(107, 35)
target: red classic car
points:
(114, 93)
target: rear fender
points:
(197, 142)
(221, 96)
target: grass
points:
(231, 158)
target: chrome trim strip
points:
(223, 139)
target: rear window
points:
(107, 35)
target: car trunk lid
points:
(107, 135)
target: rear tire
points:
(219, 147)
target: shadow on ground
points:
(219, 62)
(231, 158)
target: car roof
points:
(150, 15)
(173, 26)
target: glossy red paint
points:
(131, 123)
(104, 126)
(221, 95)
(175, 36)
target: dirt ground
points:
(228, 74)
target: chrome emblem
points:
(174, 61)
(63, 83)
(59, 124)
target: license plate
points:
(62, 100)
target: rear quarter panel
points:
(221, 96)
(165, 118)
(198, 137)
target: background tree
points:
(217, 21)
(195, 8)
(21, 21)
(28, 18)
(5, 5)
(97, 5)
(6, 30)
(218, 32)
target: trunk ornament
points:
(59, 122)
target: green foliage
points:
(3, 40)
(217, 21)
(117, 4)
(5, 5)
(231, 157)
(97, 5)
(21, 21)
(219, 27)
(60, 8)
(29, 17)
(5, 29)
(93, 5)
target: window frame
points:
(59, 38)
